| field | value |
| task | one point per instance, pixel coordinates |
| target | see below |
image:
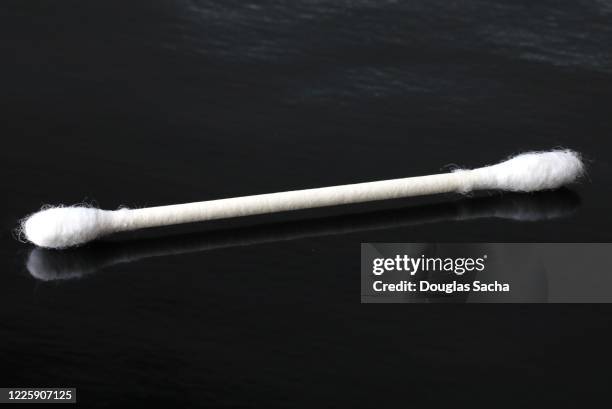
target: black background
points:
(155, 102)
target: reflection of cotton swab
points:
(61, 227)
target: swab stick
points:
(61, 227)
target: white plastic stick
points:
(60, 227)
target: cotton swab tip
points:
(529, 172)
(61, 227)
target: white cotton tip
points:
(529, 172)
(61, 227)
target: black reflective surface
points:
(149, 103)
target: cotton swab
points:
(61, 227)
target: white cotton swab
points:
(61, 227)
